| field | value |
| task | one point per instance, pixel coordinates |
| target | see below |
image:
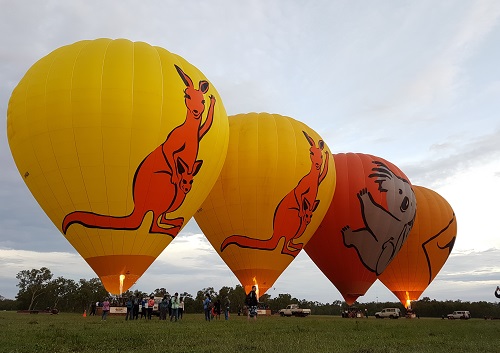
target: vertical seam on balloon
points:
(235, 133)
(131, 188)
(130, 146)
(152, 244)
(275, 118)
(415, 277)
(48, 132)
(76, 149)
(103, 248)
(84, 243)
(250, 254)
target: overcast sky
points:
(414, 82)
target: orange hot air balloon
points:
(371, 214)
(426, 250)
(273, 191)
(119, 142)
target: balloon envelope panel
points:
(82, 123)
(275, 187)
(426, 250)
(368, 219)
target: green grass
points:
(74, 333)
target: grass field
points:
(74, 333)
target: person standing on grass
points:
(226, 308)
(151, 304)
(207, 307)
(217, 309)
(163, 306)
(136, 308)
(105, 308)
(181, 307)
(174, 303)
(93, 307)
(252, 302)
(130, 309)
(144, 308)
(169, 301)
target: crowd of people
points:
(144, 308)
(213, 310)
(173, 307)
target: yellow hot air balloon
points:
(273, 191)
(119, 142)
(426, 250)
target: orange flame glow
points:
(408, 301)
(257, 287)
(122, 278)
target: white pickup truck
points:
(294, 310)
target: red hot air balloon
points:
(371, 214)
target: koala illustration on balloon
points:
(385, 230)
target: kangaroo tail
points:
(94, 220)
(247, 242)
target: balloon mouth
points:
(119, 272)
(262, 278)
(350, 298)
(406, 297)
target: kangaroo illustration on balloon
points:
(294, 211)
(165, 176)
(433, 245)
(385, 230)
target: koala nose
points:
(405, 204)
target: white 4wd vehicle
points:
(459, 315)
(293, 309)
(392, 313)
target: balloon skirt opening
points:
(403, 296)
(263, 278)
(109, 269)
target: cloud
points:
(459, 154)
(401, 81)
(67, 265)
(444, 73)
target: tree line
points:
(39, 290)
